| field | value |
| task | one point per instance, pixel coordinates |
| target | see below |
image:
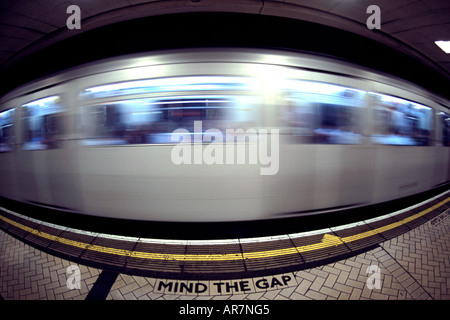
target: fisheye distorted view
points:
(211, 150)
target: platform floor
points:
(414, 266)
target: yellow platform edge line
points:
(327, 242)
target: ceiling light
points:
(444, 45)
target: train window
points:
(401, 122)
(149, 86)
(7, 130)
(41, 123)
(319, 112)
(153, 120)
(445, 125)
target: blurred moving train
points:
(98, 139)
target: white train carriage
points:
(220, 135)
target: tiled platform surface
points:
(414, 265)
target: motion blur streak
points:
(98, 139)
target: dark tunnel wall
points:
(190, 30)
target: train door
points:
(443, 136)
(402, 137)
(46, 175)
(8, 185)
(324, 160)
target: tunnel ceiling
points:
(29, 27)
